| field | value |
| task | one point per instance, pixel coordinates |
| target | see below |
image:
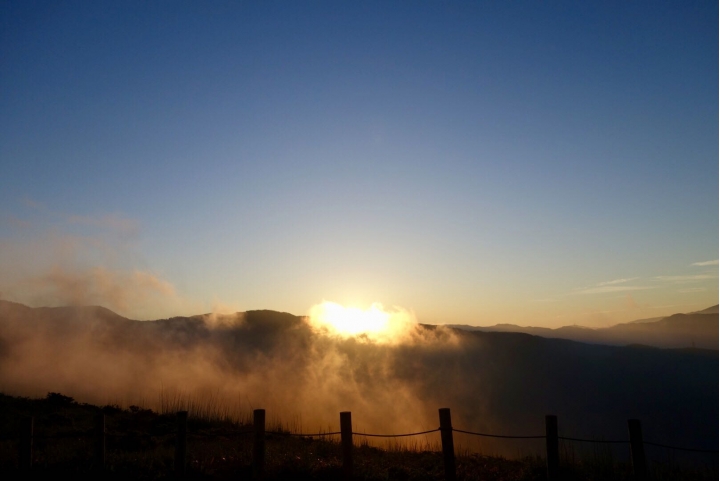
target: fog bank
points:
(502, 383)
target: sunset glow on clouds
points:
(374, 324)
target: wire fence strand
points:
(601, 441)
(137, 435)
(219, 434)
(303, 435)
(693, 450)
(395, 435)
(497, 435)
(90, 434)
(62, 436)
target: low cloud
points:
(118, 290)
(705, 263)
(620, 285)
(281, 362)
(605, 289)
(690, 278)
(73, 260)
(611, 286)
(692, 289)
(616, 281)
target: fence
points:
(551, 436)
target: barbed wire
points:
(497, 435)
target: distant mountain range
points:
(696, 329)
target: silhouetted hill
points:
(649, 319)
(497, 382)
(58, 315)
(696, 329)
(709, 310)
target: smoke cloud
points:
(83, 260)
(261, 358)
(100, 286)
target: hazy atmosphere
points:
(470, 162)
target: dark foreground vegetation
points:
(140, 444)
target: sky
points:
(533, 163)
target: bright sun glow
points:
(374, 323)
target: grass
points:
(142, 447)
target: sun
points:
(374, 323)
(350, 321)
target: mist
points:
(303, 374)
(256, 359)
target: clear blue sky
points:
(475, 162)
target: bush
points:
(57, 399)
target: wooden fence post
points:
(258, 466)
(100, 440)
(637, 449)
(448, 447)
(26, 443)
(347, 444)
(181, 443)
(551, 445)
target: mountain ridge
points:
(694, 329)
(698, 329)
